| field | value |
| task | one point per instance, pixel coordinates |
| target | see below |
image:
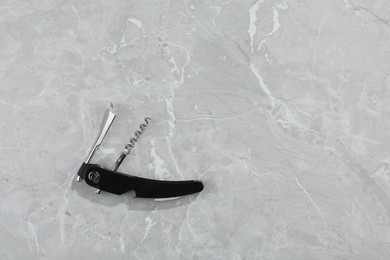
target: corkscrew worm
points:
(129, 147)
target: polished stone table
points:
(281, 108)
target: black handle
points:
(119, 183)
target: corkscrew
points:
(118, 183)
(128, 147)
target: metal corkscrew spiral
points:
(129, 146)
(137, 134)
(131, 143)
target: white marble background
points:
(282, 109)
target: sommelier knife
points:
(109, 180)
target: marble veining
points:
(281, 108)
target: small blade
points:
(108, 119)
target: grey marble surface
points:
(282, 109)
